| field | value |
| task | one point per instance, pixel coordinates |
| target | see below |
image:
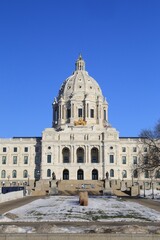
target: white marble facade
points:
(81, 143)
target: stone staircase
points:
(42, 188)
(72, 187)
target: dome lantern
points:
(80, 64)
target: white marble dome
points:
(80, 101)
(80, 83)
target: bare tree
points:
(149, 157)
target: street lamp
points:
(132, 178)
(144, 189)
(8, 178)
(28, 179)
(152, 190)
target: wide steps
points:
(72, 187)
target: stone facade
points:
(81, 143)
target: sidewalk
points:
(7, 206)
(150, 203)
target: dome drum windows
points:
(49, 158)
(68, 113)
(111, 158)
(80, 112)
(92, 113)
(105, 116)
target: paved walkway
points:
(150, 203)
(9, 205)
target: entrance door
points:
(94, 174)
(80, 174)
(65, 174)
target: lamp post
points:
(152, 190)
(144, 184)
(132, 179)
(28, 179)
(8, 179)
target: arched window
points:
(14, 174)
(66, 155)
(94, 155)
(3, 174)
(80, 174)
(94, 174)
(80, 155)
(48, 172)
(25, 174)
(65, 174)
(124, 174)
(135, 174)
(111, 173)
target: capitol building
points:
(80, 145)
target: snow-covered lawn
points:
(66, 208)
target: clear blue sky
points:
(41, 40)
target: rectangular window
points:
(15, 149)
(68, 113)
(145, 160)
(49, 158)
(124, 160)
(25, 159)
(123, 149)
(4, 159)
(26, 149)
(134, 149)
(134, 159)
(4, 149)
(79, 112)
(146, 174)
(111, 158)
(92, 113)
(14, 159)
